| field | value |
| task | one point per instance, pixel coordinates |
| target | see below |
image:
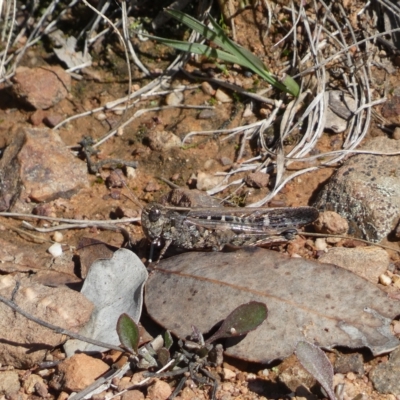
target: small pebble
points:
(207, 89)
(222, 97)
(174, 99)
(55, 250)
(206, 114)
(251, 376)
(228, 374)
(152, 187)
(396, 327)
(396, 280)
(248, 112)
(257, 179)
(225, 161)
(101, 117)
(209, 164)
(52, 120)
(384, 280)
(333, 240)
(396, 133)
(320, 244)
(58, 237)
(175, 177)
(351, 376)
(207, 181)
(131, 173)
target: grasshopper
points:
(217, 227)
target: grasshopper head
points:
(153, 218)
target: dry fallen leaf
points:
(319, 303)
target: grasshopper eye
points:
(154, 214)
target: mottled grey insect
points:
(214, 228)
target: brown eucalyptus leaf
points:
(309, 301)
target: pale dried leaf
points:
(115, 287)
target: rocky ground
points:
(51, 166)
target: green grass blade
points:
(196, 48)
(232, 52)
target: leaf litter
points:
(360, 122)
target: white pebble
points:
(58, 237)
(55, 250)
(131, 173)
(207, 181)
(320, 244)
(385, 280)
(101, 116)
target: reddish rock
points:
(152, 187)
(160, 390)
(80, 371)
(332, 223)
(47, 169)
(257, 180)
(37, 117)
(41, 87)
(52, 120)
(133, 395)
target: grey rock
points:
(207, 114)
(366, 191)
(174, 99)
(349, 363)
(225, 161)
(385, 377)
